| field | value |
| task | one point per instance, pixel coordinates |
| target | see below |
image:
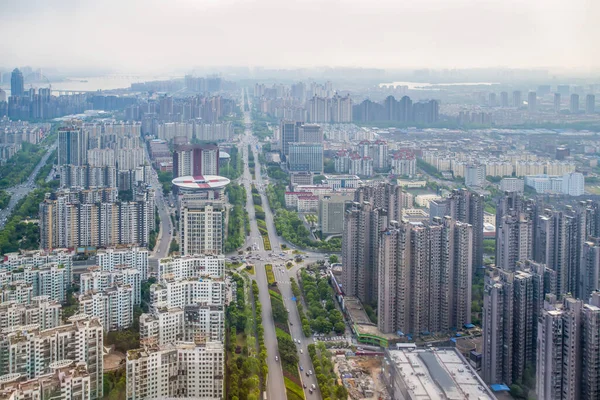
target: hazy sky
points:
(161, 35)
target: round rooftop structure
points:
(201, 182)
(223, 155)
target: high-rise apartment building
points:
(81, 340)
(188, 369)
(574, 103)
(557, 104)
(90, 218)
(373, 208)
(42, 311)
(110, 259)
(201, 229)
(191, 266)
(511, 305)
(17, 83)
(568, 349)
(97, 280)
(590, 104)
(514, 232)
(504, 99)
(532, 101)
(112, 306)
(516, 99)
(305, 157)
(196, 160)
(424, 276)
(331, 212)
(66, 379)
(72, 145)
(475, 175)
(464, 206)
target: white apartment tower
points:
(201, 227)
(189, 370)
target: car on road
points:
(310, 371)
(313, 387)
(277, 358)
(301, 351)
(301, 368)
(304, 385)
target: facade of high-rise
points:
(568, 349)
(369, 215)
(81, 340)
(404, 163)
(590, 104)
(517, 102)
(186, 369)
(288, 133)
(42, 311)
(557, 103)
(98, 280)
(514, 232)
(65, 379)
(331, 212)
(196, 160)
(17, 83)
(110, 259)
(310, 133)
(305, 157)
(475, 175)
(72, 219)
(464, 206)
(574, 103)
(202, 224)
(532, 101)
(424, 276)
(112, 306)
(191, 266)
(504, 99)
(511, 306)
(376, 151)
(72, 145)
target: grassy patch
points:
(250, 270)
(276, 295)
(293, 390)
(270, 275)
(289, 265)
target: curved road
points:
(275, 383)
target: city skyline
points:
(433, 34)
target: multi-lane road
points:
(275, 383)
(165, 234)
(18, 192)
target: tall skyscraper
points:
(424, 276)
(568, 349)
(514, 231)
(288, 133)
(517, 101)
(511, 304)
(306, 157)
(464, 206)
(202, 224)
(574, 103)
(590, 104)
(532, 101)
(504, 99)
(72, 145)
(196, 160)
(557, 102)
(17, 83)
(363, 223)
(310, 133)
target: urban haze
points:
(329, 200)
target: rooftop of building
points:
(438, 374)
(201, 182)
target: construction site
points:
(361, 375)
